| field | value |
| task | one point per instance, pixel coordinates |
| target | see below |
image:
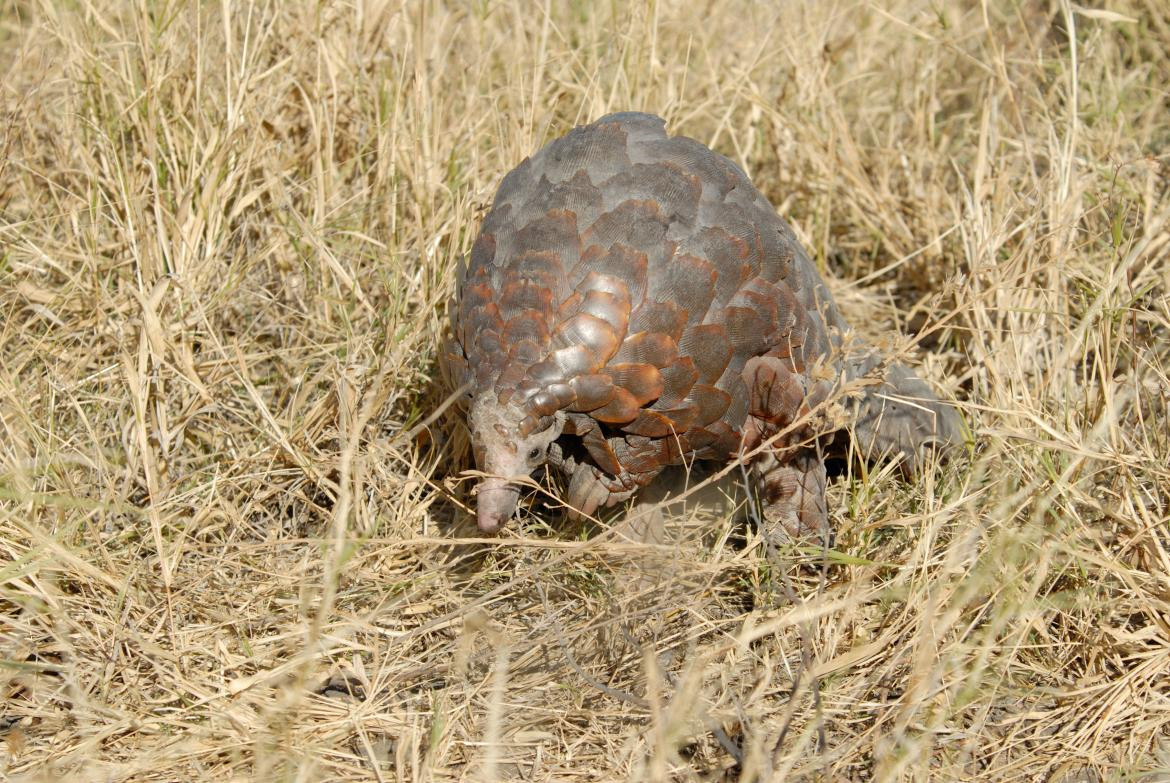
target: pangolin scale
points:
(633, 302)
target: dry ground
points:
(227, 235)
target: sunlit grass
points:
(228, 526)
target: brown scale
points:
(631, 293)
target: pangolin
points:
(633, 302)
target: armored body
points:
(633, 302)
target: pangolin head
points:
(509, 445)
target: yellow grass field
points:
(232, 522)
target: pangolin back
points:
(636, 292)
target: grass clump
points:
(227, 236)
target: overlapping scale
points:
(661, 317)
(591, 392)
(622, 407)
(677, 379)
(611, 308)
(636, 225)
(647, 348)
(674, 190)
(642, 381)
(688, 282)
(708, 348)
(598, 150)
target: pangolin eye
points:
(534, 454)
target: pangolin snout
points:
(495, 503)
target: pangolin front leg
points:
(792, 487)
(785, 425)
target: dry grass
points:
(227, 234)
